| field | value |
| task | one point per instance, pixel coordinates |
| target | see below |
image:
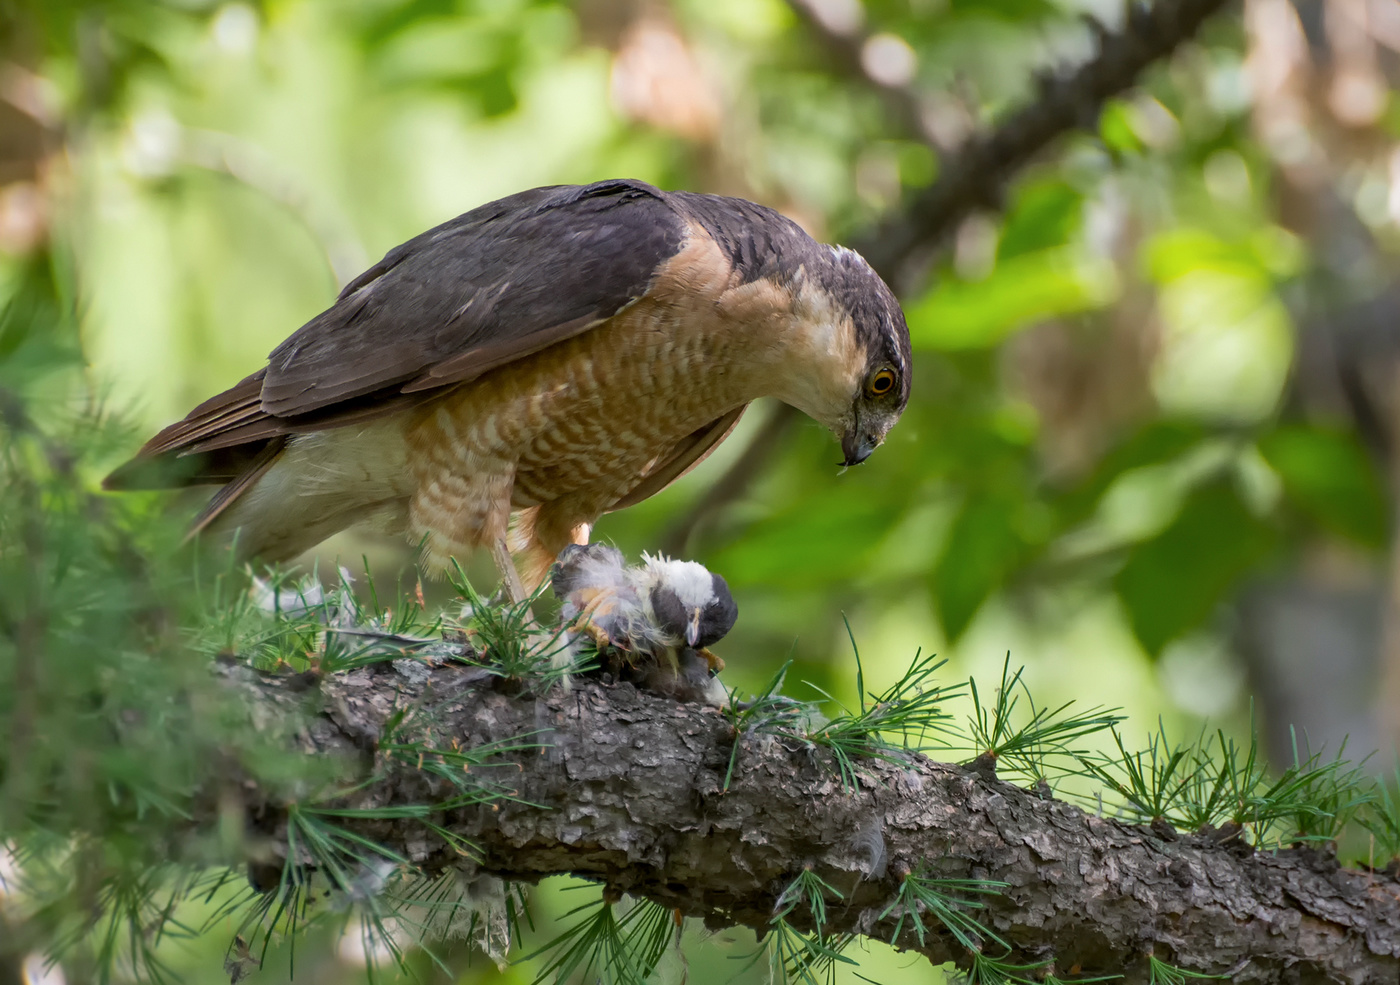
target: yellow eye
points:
(882, 382)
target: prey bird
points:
(506, 378)
(653, 623)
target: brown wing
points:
(228, 411)
(491, 286)
(687, 454)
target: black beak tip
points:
(858, 448)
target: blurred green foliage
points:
(1100, 453)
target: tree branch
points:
(627, 789)
(975, 176)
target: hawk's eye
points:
(882, 382)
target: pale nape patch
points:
(698, 270)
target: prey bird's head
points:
(691, 602)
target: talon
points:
(596, 633)
(716, 664)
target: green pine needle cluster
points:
(606, 948)
(287, 621)
(1166, 974)
(949, 902)
(888, 726)
(1216, 782)
(1027, 747)
(508, 642)
(807, 958)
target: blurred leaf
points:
(1177, 252)
(1269, 252)
(1154, 444)
(1011, 10)
(441, 48)
(1172, 583)
(1330, 477)
(1043, 214)
(1226, 344)
(982, 547)
(1116, 128)
(390, 20)
(917, 164)
(821, 539)
(1021, 290)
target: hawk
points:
(506, 378)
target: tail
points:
(229, 494)
(238, 472)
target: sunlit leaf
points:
(1021, 290)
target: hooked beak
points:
(857, 447)
(692, 628)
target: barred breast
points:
(565, 434)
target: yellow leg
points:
(509, 576)
(716, 664)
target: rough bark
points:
(627, 788)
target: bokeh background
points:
(1151, 447)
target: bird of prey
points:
(653, 623)
(506, 378)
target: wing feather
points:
(476, 293)
(231, 408)
(492, 286)
(224, 498)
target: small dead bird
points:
(653, 623)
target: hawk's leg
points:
(541, 532)
(515, 589)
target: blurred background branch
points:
(976, 168)
(1065, 99)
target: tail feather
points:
(226, 496)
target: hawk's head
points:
(834, 344)
(878, 362)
